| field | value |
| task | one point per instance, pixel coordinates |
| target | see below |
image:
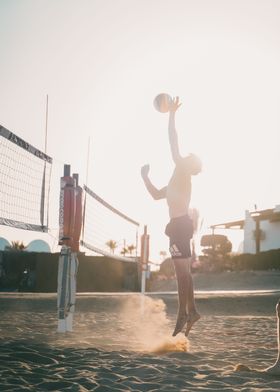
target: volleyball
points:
(161, 102)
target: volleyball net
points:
(108, 231)
(25, 174)
(85, 219)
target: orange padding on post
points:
(70, 215)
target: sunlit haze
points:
(103, 62)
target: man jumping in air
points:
(180, 228)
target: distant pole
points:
(85, 197)
(144, 258)
(258, 235)
(87, 168)
(42, 209)
(46, 126)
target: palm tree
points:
(112, 245)
(124, 251)
(131, 248)
(17, 246)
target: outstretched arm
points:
(157, 194)
(172, 133)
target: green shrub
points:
(261, 261)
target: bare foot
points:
(180, 323)
(193, 318)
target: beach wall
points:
(32, 271)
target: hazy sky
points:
(102, 62)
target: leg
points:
(187, 313)
(193, 315)
(182, 285)
(180, 231)
(275, 369)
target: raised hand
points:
(174, 105)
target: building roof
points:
(269, 214)
(229, 225)
(272, 215)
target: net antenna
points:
(42, 212)
(85, 196)
(108, 231)
(25, 174)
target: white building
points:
(3, 243)
(261, 230)
(38, 246)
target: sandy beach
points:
(122, 342)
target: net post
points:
(67, 207)
(67, 170)
(145, 238)
(70, 218)
(63, 288)
(66, 288)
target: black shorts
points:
(180, 232)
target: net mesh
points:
(108, 231)
(24, 183)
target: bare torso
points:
(178, 193)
